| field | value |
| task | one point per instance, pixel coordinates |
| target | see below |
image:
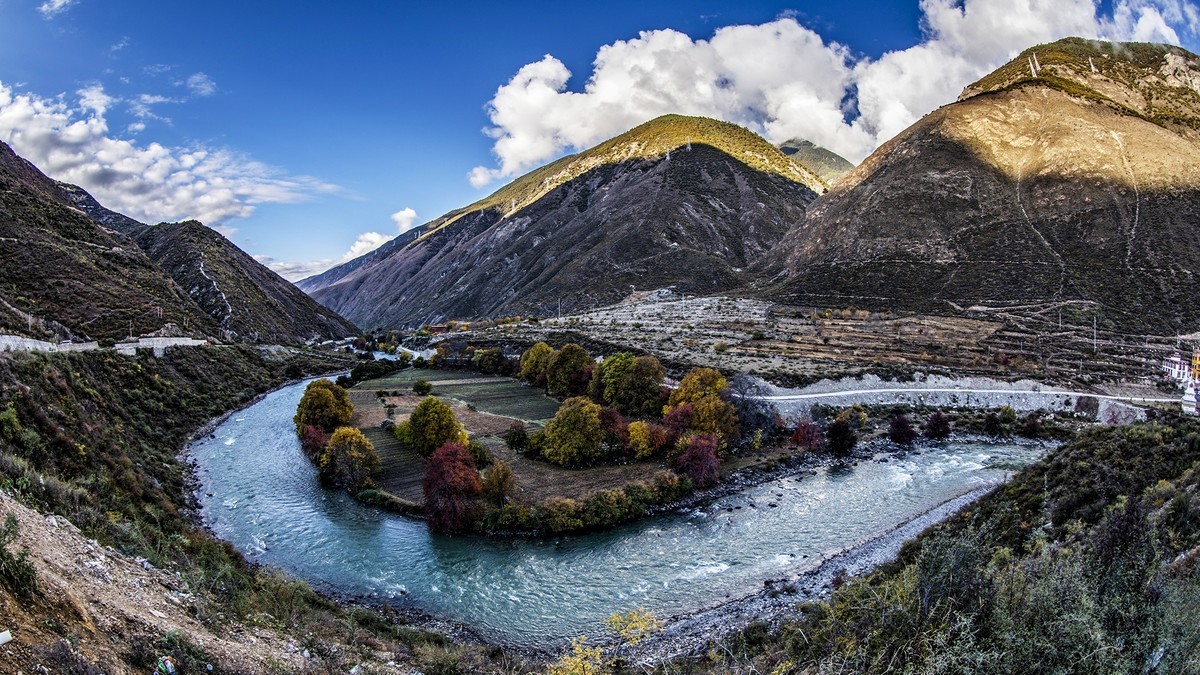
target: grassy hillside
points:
(1084, 562)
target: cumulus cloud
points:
(52, 8)
(784, 80)
(150, 182)
(201, 85)
(405, 219)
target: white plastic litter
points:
(5, 637)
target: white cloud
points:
(149, 182)
(201, 85)
(295, 271)
(405, 219)
(784, 80)
(52, 8)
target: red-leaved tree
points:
(313, 440)
(452, 489)
(699, 461)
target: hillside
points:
(63, 274)
(678, 201)
(247, 300)
(827, 164)
(1074, 192)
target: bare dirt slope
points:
(109, 606)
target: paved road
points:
(955, 390)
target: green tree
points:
(566, 373)
(607, 378)
(534, 363)
(349, 459)
(422, 387)
(574, 436)
(324, 405)
(431, 425)
(639, 391)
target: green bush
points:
(17, 573)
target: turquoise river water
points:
(259, 492)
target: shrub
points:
(516, 437)
(451, 487)
(562, 515)
(900, 431)
(808, 435)
(17, 573)
(431, 425)
(698, 460)
(422, 387)
(499, 482)
(1031, 426)
(313, 441)
(840, 437)
(574, 436)
(937, 426)
(348, 460)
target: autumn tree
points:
(808, 435)
(607, 377)
(698, 460)
(348, 460)
(431, 425)
(566, 371)
(324, 405)
(646, 439)
(534, 363)
(499, 482)
(639, 392)
(575, 435)
(697, 384)
(452, 489)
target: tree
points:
(678, 420)
(639, 392)
(574, 436)
(616, 429)
(488, 361)
(937, 426)
(313, 441)
(324, 405)
(753, 413)
(499, 482)
(566, 369)
(348, 460)
(900, 430)
(452, 488)
(516, 437)
(606, 379)
(431, 425)
(699, 460)
(711, 415)
(534, 362)
(808, 435)
(422, 387)
(840, 437)
(697, 384)
(646, 439)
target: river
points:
(260, 493)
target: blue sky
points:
(300, 129)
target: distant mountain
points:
(64, 275)
(1075, 190)
(827, 164)
(71, 268)
(247, 299)
(679, 201)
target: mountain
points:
(1074, 190)
(247, 299)
(71, 268)
(678, 201)
(63, 275)
(827, 164)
